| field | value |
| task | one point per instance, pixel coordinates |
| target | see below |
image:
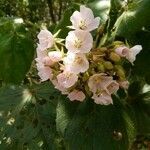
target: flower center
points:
(82, 25)
(97, 80)
(78, 60)
(77, 43)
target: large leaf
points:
(140, 103)
(133, 19)
(90, 126)
(16, 50)
(100, 8)
(28, 117)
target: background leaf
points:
(28, 117)
(91, 126)
(16, 51)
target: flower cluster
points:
(83, 71)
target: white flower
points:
(44, 72)
(76, 63)
(59, 87)
(133, 52)
(79, 41)
(129, 54)
(84, 20)
(112, 87)
(48, 59)
(124, 84)
(103, 98)
(122, 51)
(55, 56)
(46, 39)
(40, 53)
(67, 79)
(76, 95)
(43, 59)
(100, 82)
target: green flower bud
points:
(120, 72)
(101, 67)
(103, 49)
(108, 65)
(114, 57)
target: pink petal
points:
(76, 95)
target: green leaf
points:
(16, 50)
(90, 126)
(100, 8)
(28, 117)
(65, 110)
(133, 19)
(141, 107)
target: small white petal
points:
(59, 87)
(45, 73)
(122, 51)
(112, 87)
(133, 52)
(76, 95)
(79, 41)
(104, 98)
(46, 39)
(67, 79)
(55, 56)
(84, 20)
(76, 63)
(124, 84)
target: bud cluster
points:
(83, 70)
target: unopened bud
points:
(118, 43)
(120, 71)
(108, 65)
(103, 49)
(100, 67)
(114, 57)
(98, 57)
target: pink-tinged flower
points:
(124, 84)
(76, 95)
(40, 53)
(44, 72)
(46, 39)
(67, 79)
(122, 51)
(129, 54)
(103, 98)
(112, 87)
(100, 82)
(59, 87)
(55, 56)
(43, 59)
(84, 20)
(133, 52)
(76, 63)
(48, 59)
(79, 41)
